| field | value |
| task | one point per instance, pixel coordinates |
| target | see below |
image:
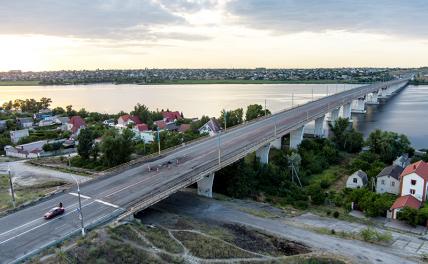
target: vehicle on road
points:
(54, 212)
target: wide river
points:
(405, 113)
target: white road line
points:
(29, 230)
(81, 195)
(106, 203)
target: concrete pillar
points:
(358, 106)
(372, 98)
(346, 110)
(205, 185)
(277, 143)
(334, 115)
(296, 137)
(319, 126)
(263, 153)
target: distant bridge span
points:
(124, 192)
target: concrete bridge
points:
(128, 190)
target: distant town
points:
(165, 76)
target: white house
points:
(16, 135)
(357, 180)
(414, 180)
(26, 151)
(388, 180)
(402, 161)
(401, 202)
(24, 122)
(211, 127)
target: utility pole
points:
(225, 119)
(11, 187)
(158, 135)
(219, 151)
(265, 108)
(312, 93)
(292, 99)
(78, 195)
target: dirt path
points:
(189, 204)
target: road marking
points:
(81, 195)
(106, 203)
(29, 230)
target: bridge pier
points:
(319, 126)
(372, 98)
(277, 143)
(358, 106)
(263, 153)
(334, 115)
(205, 185)
(296, 137)
(346, 110)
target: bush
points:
(336, 214)
(368, 234)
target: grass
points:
(258, 212)
(18, 83)
(207, 248)
(125, 232)
(160, 238)
(367, 234)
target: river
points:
(405, 113)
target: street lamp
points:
(78, 195)
(159, 147)
(225, 119)
(11, 187)
(219, 150)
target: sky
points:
(134, 34)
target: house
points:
(160, 124)
(26, 151)
(357, 180)
(141, 128)
(183, 128)
(16, 135)
(3, 125)
(402, 161)
(401, 202)
(109, 122)
(414, 180)
(169, 116)
(45, 122)
(43, 114)
(388, 180)
(211, 127)
(126, 120)
(24, 122)
(61, 120)
(75, 124)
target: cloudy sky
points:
(82, 34)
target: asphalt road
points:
(25, 232)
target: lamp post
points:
(11, 187)
(265, 108)
(225, 119)
(219, 151)
(78, 195)
(159, 147)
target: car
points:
(54, 212)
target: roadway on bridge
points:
(25, 232)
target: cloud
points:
(84, 18)
(392, 17)
(187, 6)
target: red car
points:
(54, 212)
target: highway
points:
(25, 232)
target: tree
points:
(86, 142)
(117, 148)
(254, 111)
(233, 117)
(388, 145)
(58, 111)
(70, 111)
(408, 214)
(45, 102)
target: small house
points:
(402, 161)
(211, 127)
(401, 202)
(357, 180)
(388, 180)
(16, 135)
(75, 124)
(126, 120)
(24, 122)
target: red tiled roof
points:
(142, 127)
(183, 127)
(77, 123)
(420, 168)
(171, 116)
(407, 200)
(160, 124)
(133, 118)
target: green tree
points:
(58, 111)
(254, 111)
(233, 117)
(86, 142)
(117, 148)
(388, 145)
(45, 102)
(408, 214)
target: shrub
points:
(368, 234)
(336, 214)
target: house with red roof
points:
(169, 116)
(126, 120)
(413, 187)
(75, 124)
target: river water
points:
(405, 113)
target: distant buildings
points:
(24, 122)
(126, 120)
(75, 124)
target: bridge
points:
(142, 184)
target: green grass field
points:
(18, 83)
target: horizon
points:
(212, 34)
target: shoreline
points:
(188, 82)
